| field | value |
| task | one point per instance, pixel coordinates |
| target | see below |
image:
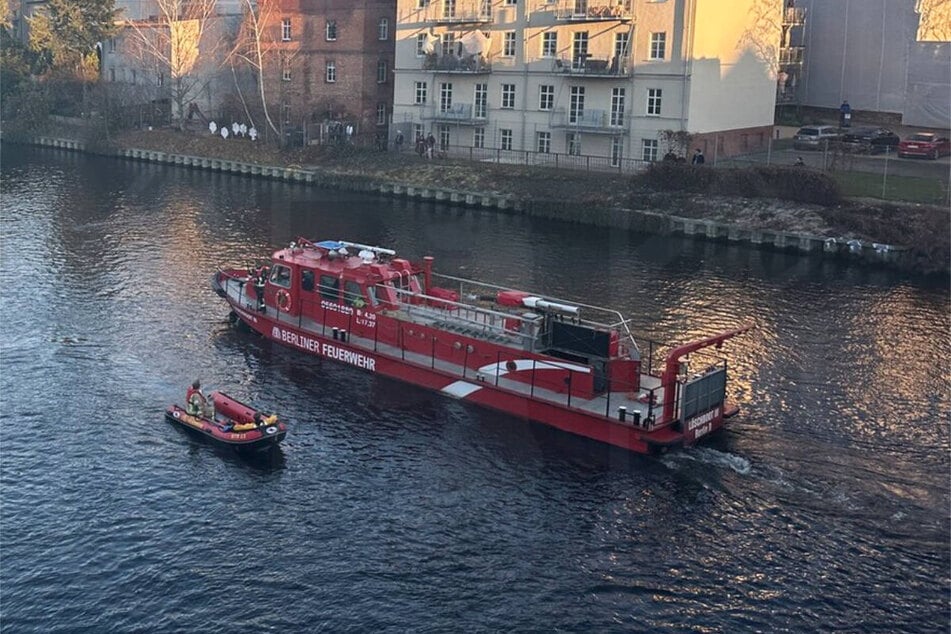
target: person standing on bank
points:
(697, 158)
(398, 142)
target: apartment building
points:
(884, 56)
(330, 64)
(598, 78)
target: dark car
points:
(926, 144)
(870, 141)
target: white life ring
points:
(177, 414)
(270, 430)
(283, 299)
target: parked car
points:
(869, 141)
(815, 137)
(926, 144)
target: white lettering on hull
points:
(328, 350)
(702, 424)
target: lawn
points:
(915, 189)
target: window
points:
(381, 71)
(478, 137)
(112, 45)
(306, 280)
(417, 131)
(381, 114)
(481, 101)
(160, 80)
(353, 294)
(331, 75)
(445, 97)
(579, 49)
(331, 30)
(574, 143)
(508, 44)
(617, 151)
(508, 96)
(448, 43)
(506, 139)
(448, 8)
(421, 89)
(511, 3)
(617, 106)
(421, 3)
(546, 97)
(286, 30)
(286, 73)
(543, 142)
(658, 45)
(329, 288)
(622, 43)
(281, 276)
(421, 45)
(649, 149)
(383, 29)
(576, 104)
(549, 44)
(653, 101)
(443, 137)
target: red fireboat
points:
(565, 364)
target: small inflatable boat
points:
(232, 424)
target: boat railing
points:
(605, 318)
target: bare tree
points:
(185, 37)
(256, 48)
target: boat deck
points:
(606, 405)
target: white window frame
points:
(330, 71)
(383, 29)
(480, 101)
(478, 137)
(330, 31)
(546, 97)
(617, 151)
(649, 148)
(658, 46)
(421, 93)
(382, 71)
(543, 142)
(286, 72)
(550, 44)
(381, 114)
(505, 139)
(509, 44)
(508, 97)
(420, 43)
(286, 30)
(445, 96)
(576, 104)
(654, 101)
(573, 143)
(618, 98)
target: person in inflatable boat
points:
(196, 403)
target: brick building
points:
(328, 68)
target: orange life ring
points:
(283, 300)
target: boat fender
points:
(270, 430)
(511, 366)
(177, 414)
(284, 300)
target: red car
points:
(926, 144)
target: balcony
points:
(459, 12)
(591, 121)
(590, 67)
(791, 55)
(454, 64)
(458, 114)
(593, 10)
(794, 16)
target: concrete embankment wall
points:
(619, 218)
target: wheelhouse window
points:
(330, 288)
(353, 294)
(307, 280)
(281, 276)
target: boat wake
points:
(708, 456)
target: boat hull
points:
(261, 438)
(470, 388)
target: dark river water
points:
(825, 507)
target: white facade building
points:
(593, 78)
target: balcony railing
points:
(460, 114)
(452, 63)
(785, 95)
(590, 10)
(791, 55)
(591, 67)
(459, 12)
(596, 121)
(794, 16)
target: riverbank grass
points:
(930, 191)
